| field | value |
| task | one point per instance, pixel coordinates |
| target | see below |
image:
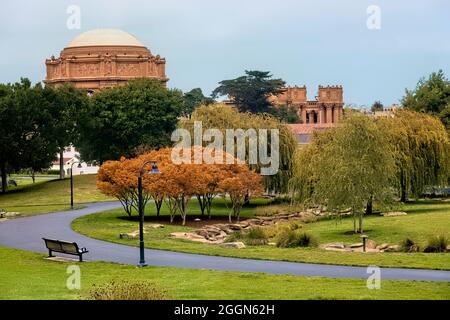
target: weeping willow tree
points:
(222, 117)
(422, 151)
(346, 167)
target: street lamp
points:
(71, 181)
(154, 170)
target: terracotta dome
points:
(103, 58)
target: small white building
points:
(70, 156)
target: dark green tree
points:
(66, 104)
(431, 95)
(445, 118)
(377, 106)
(286, 114)
(125, 120)
(26, 128)
(250, 93)
(192, 100)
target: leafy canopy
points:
(120, 121)
(250, 92)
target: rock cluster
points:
(217, 233)
(371, 246)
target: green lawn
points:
(424, 219)
(24, 180)
(47, 196)
(26, 275)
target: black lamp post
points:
(154, 170)
(71, 181)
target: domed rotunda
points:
(103, 58)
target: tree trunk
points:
(369, 207)
(3, 173)
(361, 222)
(201, 202)
(246, 200)
(355, 230)
(403, 192)
(33, 176)
(61, 164)
(158, 204)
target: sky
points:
(304, 42)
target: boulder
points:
(11, 214)
(131, 235)
(235, 227)
(154, 226)
(197, 220)
(337, 245)
(383, 246)
(393, 214)
(356, 245)
(201, 232)
(392, 248)
(370, 244)
(234, 245)
(244, 224)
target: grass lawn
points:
(47, 196)
(24, 180)
(424, 219)
(26, 275)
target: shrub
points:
(126, 290)
(234, 236)
(295, 225)
(288, 238)
(437, 244)
(256, 236)
(408, 245)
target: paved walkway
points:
(26, 233)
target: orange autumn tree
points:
(119, 179)
(240, 183)
(177, 184)
(154, 184)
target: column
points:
(322, 114)
(329, 115)
(303, 114)
(335, 114)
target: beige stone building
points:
(103, 58)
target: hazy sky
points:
(205, 41)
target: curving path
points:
(26, 233)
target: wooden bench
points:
(64, 247)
